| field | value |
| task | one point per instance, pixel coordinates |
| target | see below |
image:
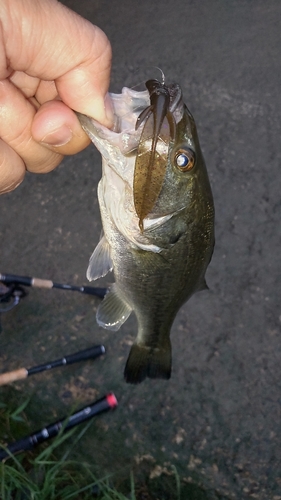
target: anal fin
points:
(113, 311)
(202, 286)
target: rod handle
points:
(7, 378)
(39, 283)
(14, 278)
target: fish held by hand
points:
(158, 219)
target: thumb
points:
(84, 87)
(56, 44)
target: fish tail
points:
(145, 361)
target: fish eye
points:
(185, 159)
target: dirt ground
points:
(218, 419)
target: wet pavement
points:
(218, 419)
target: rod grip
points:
(14, 278)
(7, 378)
(37, 282)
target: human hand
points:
(51, 61)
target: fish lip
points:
(152, 220)
(127, 106)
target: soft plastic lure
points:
(151, 160)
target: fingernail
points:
(58, 137)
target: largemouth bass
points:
(158, 219)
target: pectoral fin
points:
(113, 311)
(100, 261)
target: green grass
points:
(44, 476)
(49, 473)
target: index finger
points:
(47, 40)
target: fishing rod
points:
(12, 289)
(42, 283)
(108, 402)
(21, 373)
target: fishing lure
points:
(151, 160)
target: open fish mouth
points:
(143, 132)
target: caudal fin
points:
(149, 362)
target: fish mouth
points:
(137, 147)
(127, 107)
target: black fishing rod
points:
(12, 289)
(21, 373)
(42, 283)
(108, 402)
